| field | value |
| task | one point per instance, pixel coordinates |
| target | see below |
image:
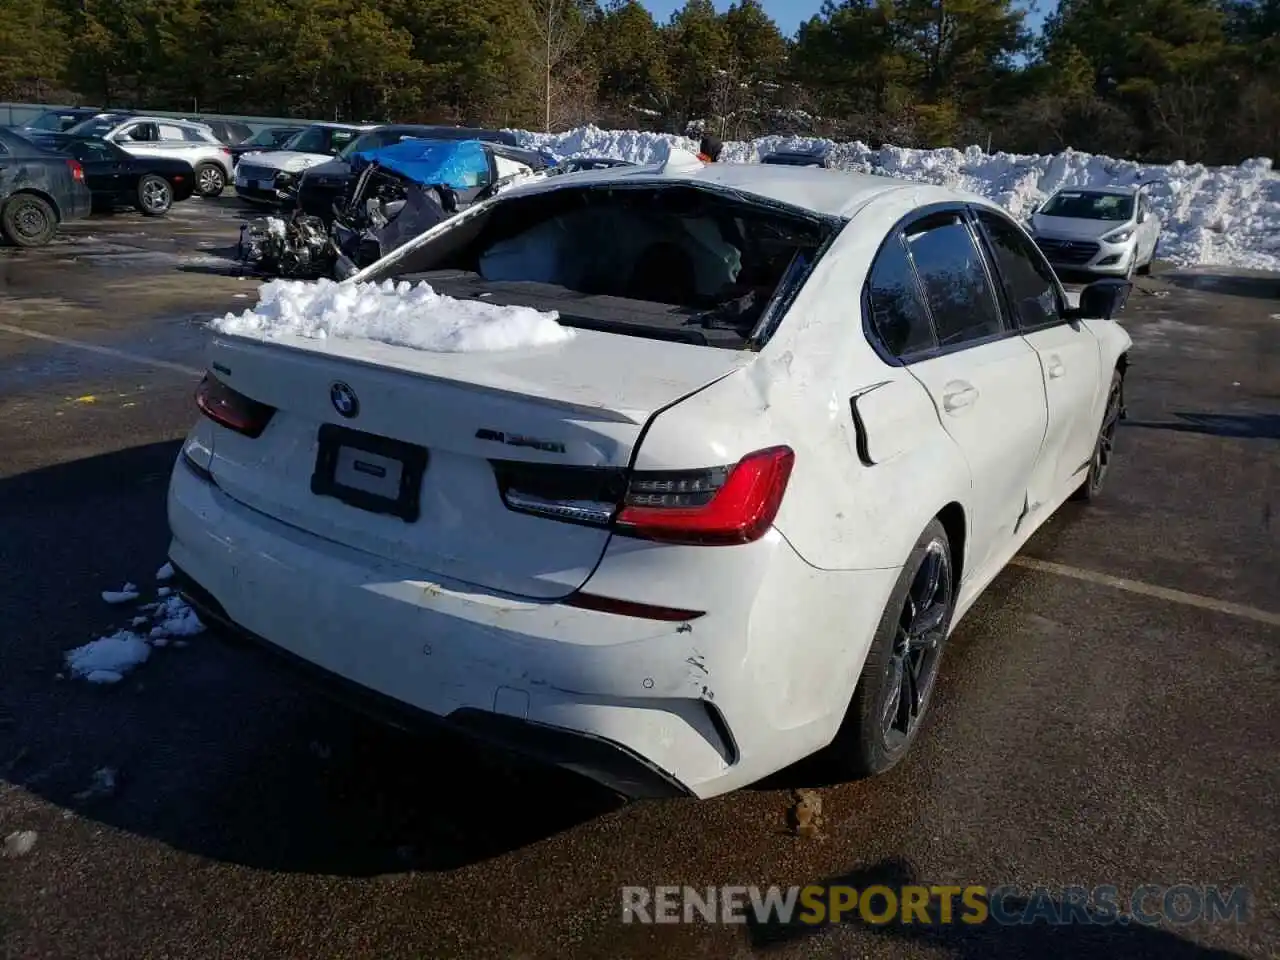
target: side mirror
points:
(1102, 299)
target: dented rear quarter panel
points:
(838, 513)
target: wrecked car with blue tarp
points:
(397, 193)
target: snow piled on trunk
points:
(401, 314)
(1212, 216)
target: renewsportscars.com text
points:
(1148, 904)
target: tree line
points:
(1153, 79)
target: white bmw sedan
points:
(773, 432)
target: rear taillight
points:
(232, 410)
(77, 171)
(717, 506)
(714, 506)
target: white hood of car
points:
(1076, 228)
(287, 160)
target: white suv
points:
(145, 136)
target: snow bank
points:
(1224, 216)
(403, 314)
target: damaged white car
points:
(670, 474)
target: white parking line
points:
(104, 351)
(1150, 590)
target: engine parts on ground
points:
(297, 248)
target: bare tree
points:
(556, 27)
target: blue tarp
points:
(459, 164)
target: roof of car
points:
(827, 192)
(1112, 189)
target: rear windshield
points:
(96, 126)
(322, 140)
(1083, 205)
(52, 120)
(272, 136)
(668, 262)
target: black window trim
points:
(1064, 308)
(897, 233)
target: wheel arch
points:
(36, 192)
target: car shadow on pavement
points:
(1250, 426)
(1260, 286)
(211, 748)
(1039, 940)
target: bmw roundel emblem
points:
(344, 400)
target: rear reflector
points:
(629, 608)
(232, 410)
(77, 171)
(715, 507)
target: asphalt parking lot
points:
(1106, 715)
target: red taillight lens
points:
(719, 506)
(232, 410)
(77, 171)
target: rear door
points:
(103, 172)
(1068, 354)
(983, 378)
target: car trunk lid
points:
(582, 403)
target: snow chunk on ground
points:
(165, 572)
(108, 659)
(126, 593)
(1224, 216)
(176, 619)
(403, 314)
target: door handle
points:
(958, 395)
(1056, 369)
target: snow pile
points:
(1225, 216)
(402, 314)
(109, 658)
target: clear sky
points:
(789, 14)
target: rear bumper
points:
(77, 205)
(648, 708)
(605, 762)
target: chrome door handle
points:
(1056, 369)
(958, 396)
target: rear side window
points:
(170, 131)
(954, 279)
(897, 313)
(1028, 281)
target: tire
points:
(880, 726)
(1104, 444)
(211, 180)
(155, 195)
(28, 220)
